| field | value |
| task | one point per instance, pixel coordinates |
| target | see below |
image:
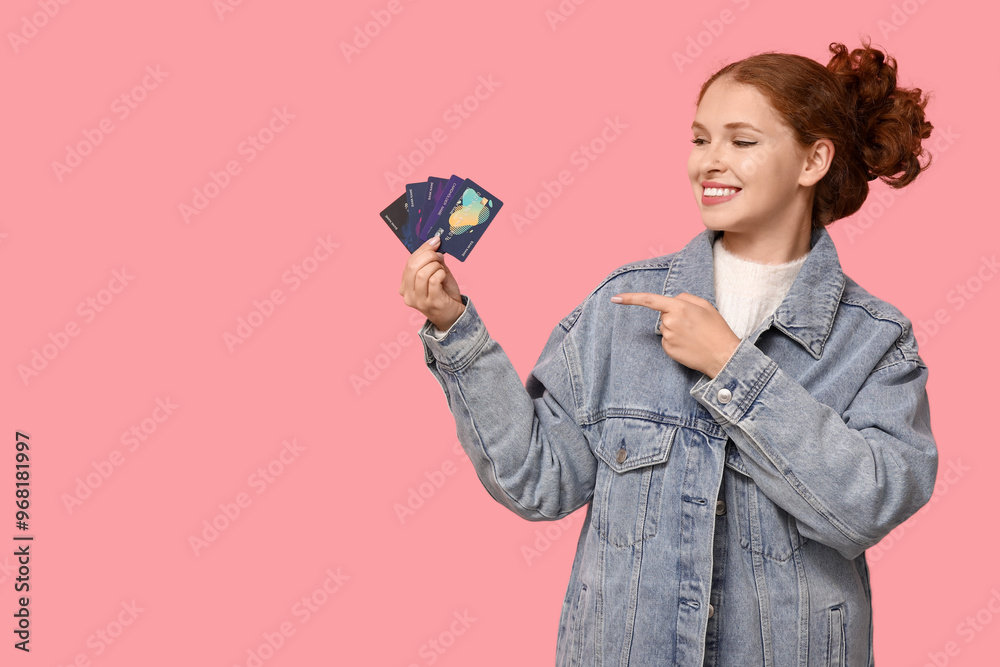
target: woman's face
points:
(741, 143)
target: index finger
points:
(428, 247)
(425, 252)
(659, 302)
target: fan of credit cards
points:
(456, 209)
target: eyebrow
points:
(733, 126)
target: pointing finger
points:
(655, 301)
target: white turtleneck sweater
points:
(746, 292)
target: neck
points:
(768, 247)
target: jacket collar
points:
(805, 314)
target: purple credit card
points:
(434, 185)
(446, 193)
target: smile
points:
(718, 195)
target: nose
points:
(712, 160)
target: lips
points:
(709, 200)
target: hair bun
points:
(889, 121)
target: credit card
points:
(396, 216)
(434, 185)
(416, 197)
(464, 218)
(446, 193)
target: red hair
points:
(876, 128)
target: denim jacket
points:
(727, 518)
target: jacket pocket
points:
(629, 484)
(764, 528)
(835, 649)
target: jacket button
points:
(711, 611)
(724, 395)
(720, 507)
(622, 455)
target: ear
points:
(817, 161)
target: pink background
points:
(365, 446)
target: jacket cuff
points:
(460, 343)
(733, 390)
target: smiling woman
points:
(851, 109)
(742, 439)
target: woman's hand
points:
(430, 287)
(692, 332)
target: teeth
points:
(718, 192)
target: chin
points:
(711, 222)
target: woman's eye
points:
(741, 144)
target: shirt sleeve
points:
(436, 333)
(848, 480)
(524, 440)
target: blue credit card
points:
(464, 217)
(416, 194)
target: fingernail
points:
(616, 299)
(434, 240)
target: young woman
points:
(757, 422)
